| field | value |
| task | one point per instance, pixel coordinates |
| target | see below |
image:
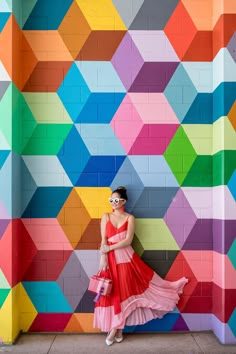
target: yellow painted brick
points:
(154, 234)
(6, 320)
(101, 15)
(224, 136)
(95, 200)
(28, 311)
(47, 108)
(200, 136)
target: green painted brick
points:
(17, 122)
(229, 164)
(188, 162)
(47, 139)
(180, 155)
(3, 295)
(224, 164)
(218, 168)
(200, 173)
(6, 115)
(23, 122)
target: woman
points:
(138, 293)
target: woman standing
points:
(138, 293)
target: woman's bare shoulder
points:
(130, 217)
(105, 217)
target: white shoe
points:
(119, 339)
(108, 341)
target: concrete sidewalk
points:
(156, 343)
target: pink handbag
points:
(100, 285)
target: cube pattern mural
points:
(100, 93)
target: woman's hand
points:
(103, 262)
(105, 248)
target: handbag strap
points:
(100, 271)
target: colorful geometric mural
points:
(100, 93)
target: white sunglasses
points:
(115, 200)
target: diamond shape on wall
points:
(180, 155)
(73, 218)
(180, 36)
(74, 29)
(180, 92)
(127, 61)
(180, 218)
(126, 118)
(73, 281)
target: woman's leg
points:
(119, 333)
(112, 334)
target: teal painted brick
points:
(180, 92)
(47, 297)
(232, 254)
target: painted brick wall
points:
(100, 93)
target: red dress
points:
(138, 294)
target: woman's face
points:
(116, 201)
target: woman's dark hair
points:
(121, 191)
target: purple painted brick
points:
(224, 233)
(180, 325)
(153, 77)
(200, 238)
(180, 218)
(127, 61)
(3, 226)
(232, 47)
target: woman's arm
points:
(103, 229)
(124, 243)
(103, 259)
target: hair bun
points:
(121, 187)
